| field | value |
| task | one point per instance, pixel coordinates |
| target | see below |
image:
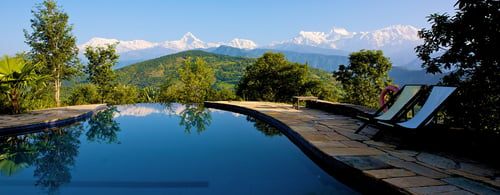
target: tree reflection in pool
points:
(152, 148)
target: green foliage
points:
(273, 78)
(52, 44)
(99, 69)
(83, 94)
(222, 95)
(468, 44)
(365, 77)
(149, 95)
(161, 74)
(152, 73)
(17, 78)
(196, 80)
(124, 94)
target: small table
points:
(296, 99)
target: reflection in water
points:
(71, 159)
(103, 128)
(265, 128)
(195, 116)
(52, 152)
(16, 153)
(191, 115)
(57, 150)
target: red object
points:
(384, 92)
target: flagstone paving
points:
(47, 117)
(377, 165)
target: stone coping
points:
(47, 118)
(369, 166)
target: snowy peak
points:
(310, 38)
(340, 38)
(397, 42)
(339, 33)
(241, 44)
(187, 41)
(189, 38)
(123, 46)
(393, 35)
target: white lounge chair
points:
(405, 99)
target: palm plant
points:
(16, 78)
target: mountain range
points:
(397, 42)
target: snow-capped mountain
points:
(123, 46)
(241, 44)
(397, 42)
(187, 42)
(340, 38)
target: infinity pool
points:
(160, 149)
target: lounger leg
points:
(362, 127)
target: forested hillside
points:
(152, 73)
(228, 70)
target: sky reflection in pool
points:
(158, 149)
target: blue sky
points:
(262, 21)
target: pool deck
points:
(46, 118)
(369, 166)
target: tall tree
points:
(273, 78)
(99, 68)
(196, 78)
(365, 77)
(53, 45)
(467, 44)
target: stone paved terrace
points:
(44, 118)
(371, 167)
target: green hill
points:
(153, 72)
(228, 70)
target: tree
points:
(52, 44)
(273, 78)
(365, 77)
(124, 94)
(196, 79)
(467, 44)
(83, 94)
(195, 116)
(99, 68)
(17, 77)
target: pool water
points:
(161, 149)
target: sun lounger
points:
(405, 99)
(432, 105)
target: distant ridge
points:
(328, 63)
(397, 42)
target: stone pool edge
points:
(342, 171)
(68, 115)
